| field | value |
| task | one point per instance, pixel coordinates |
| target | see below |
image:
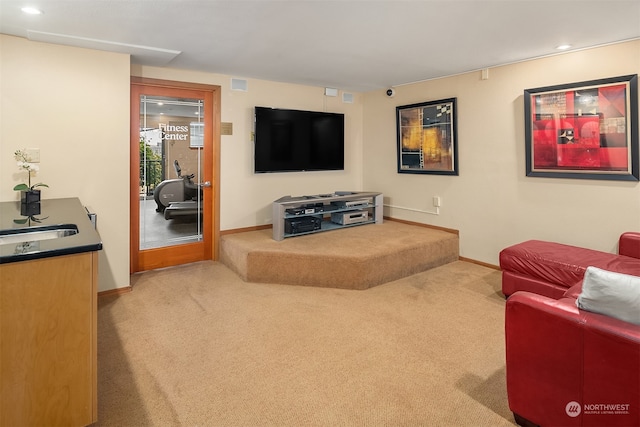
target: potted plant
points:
(29, 193)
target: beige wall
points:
(72, 104)
(492, 202)
(246, 197)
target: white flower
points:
(27, 166)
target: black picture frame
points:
(427, 137)
(585, 130)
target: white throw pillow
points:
(614, 294)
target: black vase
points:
(30, 196)
(30, 209)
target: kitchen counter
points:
(53, 212)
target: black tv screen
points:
(294, 140)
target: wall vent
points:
(239, 84)
(347, 98)
(329, 91)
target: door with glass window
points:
(172, 174)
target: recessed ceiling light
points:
(563, 47)
(31, 11)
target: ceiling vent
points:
(144, 55)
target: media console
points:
(295, 216)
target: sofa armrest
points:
(612, 370)
(629, 244)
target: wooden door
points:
(174, 173)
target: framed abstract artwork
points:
(585, 130)
(427, 137)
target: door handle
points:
(206, 184)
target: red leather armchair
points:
(566, 366)
(569, 367)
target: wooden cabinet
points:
(48, 341)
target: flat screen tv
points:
(294, 140)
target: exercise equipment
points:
(178, 197)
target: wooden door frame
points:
(212, 228)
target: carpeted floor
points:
(197, 346)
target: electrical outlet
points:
(33, 154)
(436, 201)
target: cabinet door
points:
(48, 347)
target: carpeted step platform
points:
(351, 258)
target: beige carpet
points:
(197, 346)
(349, 258)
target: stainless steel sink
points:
(35, 234)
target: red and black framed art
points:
(584, 130)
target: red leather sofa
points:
(566, 366)
(548, 268)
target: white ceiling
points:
(352, 45)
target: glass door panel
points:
(171, 171)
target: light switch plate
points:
(33, 154)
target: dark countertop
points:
(52, 213)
